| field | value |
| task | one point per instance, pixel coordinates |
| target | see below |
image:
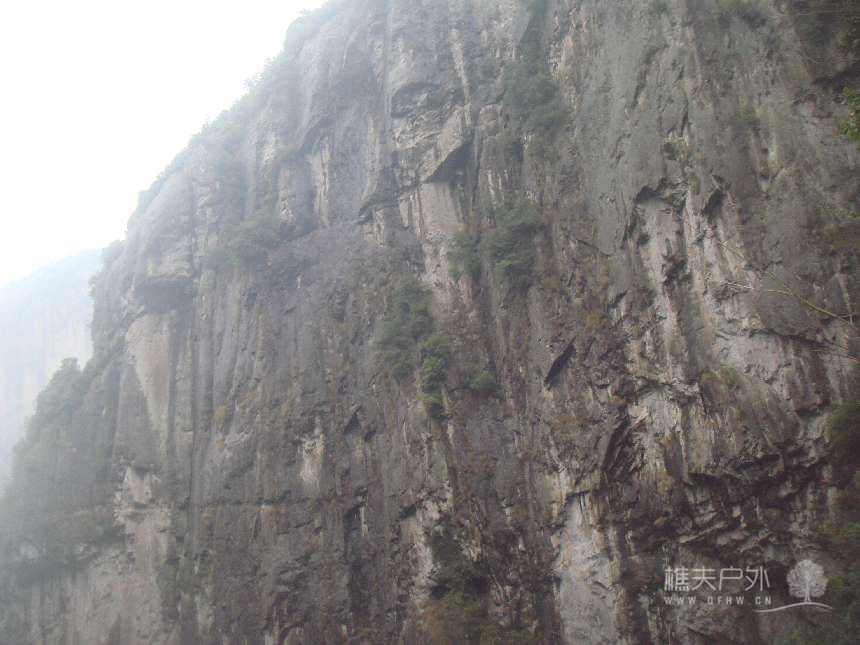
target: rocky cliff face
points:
(465, 324)
(45, 318)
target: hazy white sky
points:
(98, 96)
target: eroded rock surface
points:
(239, 464)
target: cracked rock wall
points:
(237, 464)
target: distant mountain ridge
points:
(44, 318)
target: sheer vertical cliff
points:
(467, 322)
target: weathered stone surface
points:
(248, 469)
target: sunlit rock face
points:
(244, 460)
(44, 319)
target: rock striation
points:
(465, 324)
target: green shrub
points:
(511, 247)
(61, 396)
(749, 118)
(464, 256)
(850, 42)
(402, 364)
(659, 8)
(407, 321)
(482, 381)
(411, 307)
(458, 618)
(533, 99)
(531, 94)
(549, 117)
(433, 404)
(247, 244)
(254, 238)
(433, 370)
(511, 144)
(457, 614)
(451, 620)
(528, 85)
(397, 345)
(435, 357)
(851, 126)
(437, 345)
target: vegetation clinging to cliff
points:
(531, 96)
(457, 612)
(464, 256)
(407, 321)
(844, 427)
(435, 357)
(511, 245)
(842, 537)
(247, 244)
(481, 381)
(851, 45)
(851, 125)
(409, 334)
(44, 499)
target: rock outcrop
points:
(465, 324)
